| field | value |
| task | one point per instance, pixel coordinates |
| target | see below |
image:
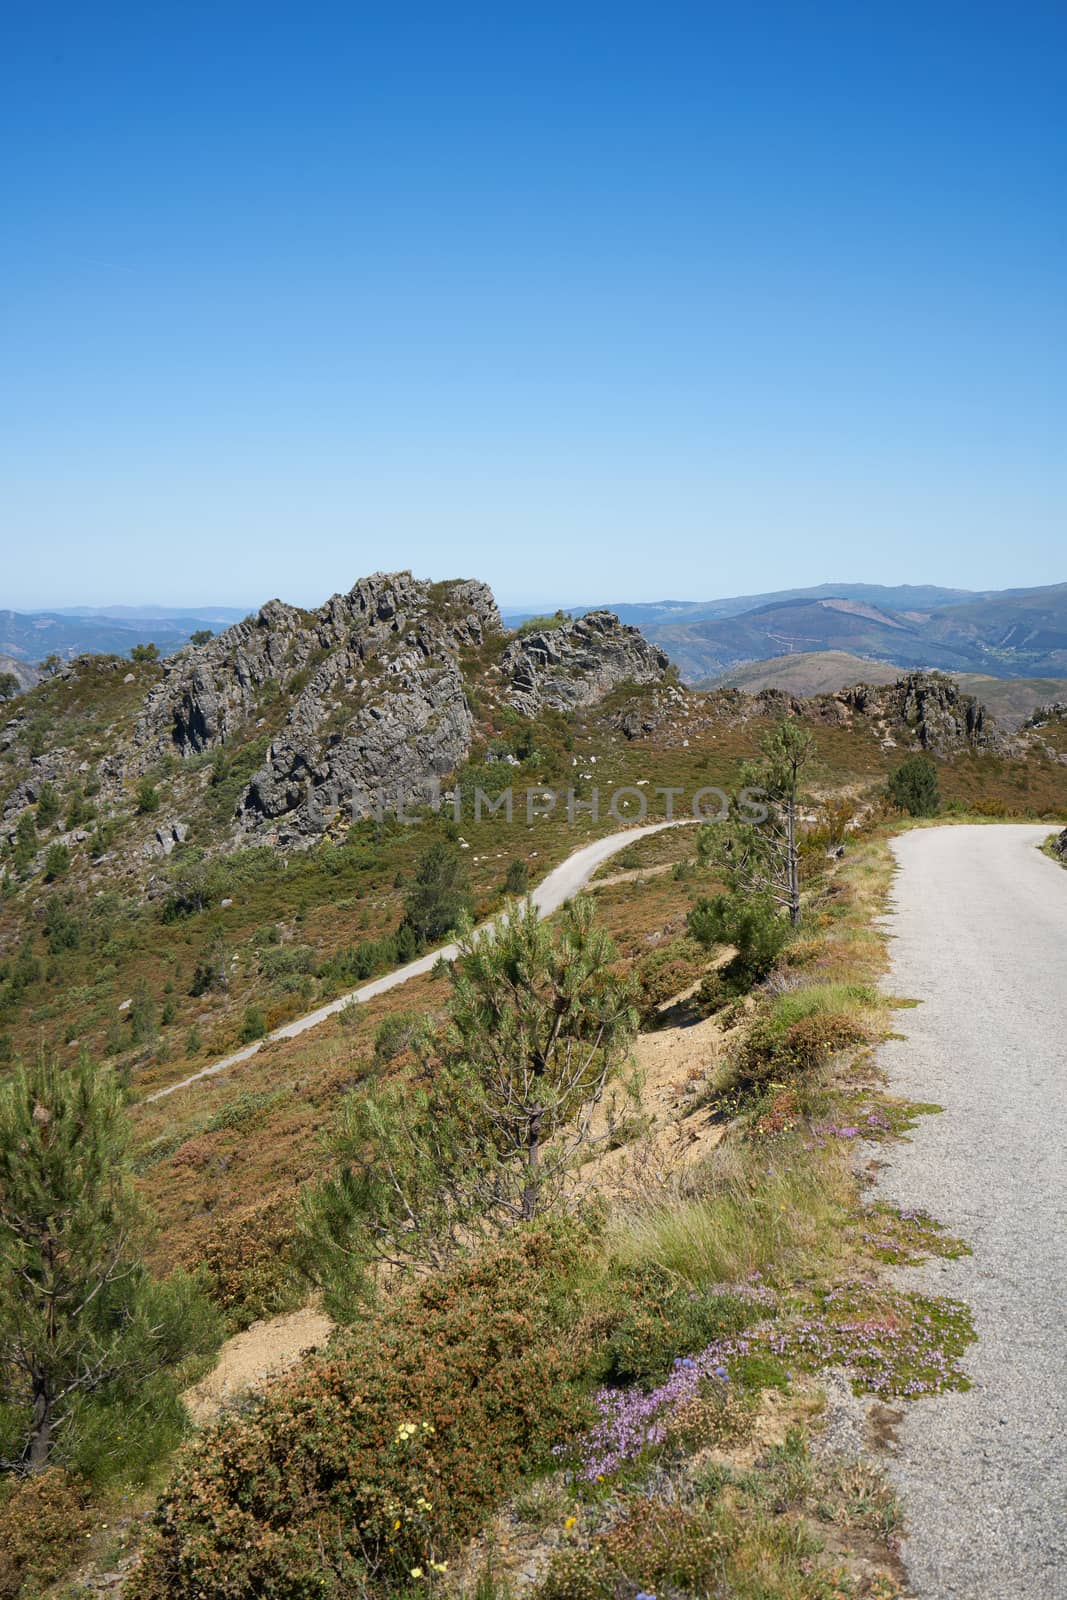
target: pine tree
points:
(913, 787)
(81, 1321)
(438, 897)
(539, 1026)
(762, 859)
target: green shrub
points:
(287, 960)
(88, 1338)
(47, 806)
(541, 624)
(913, 787)
(103, 837)
(438, 897)
(359, 961)
(386, 1452)
(517, 877)
(142, 1015)
(144, 652)
(62, 929)
(254, 1025)
(79, 812)
(662, 1319)
(211, 972)
(43, 1524)
(396, 1034)
(147, 797)
(56, 862)
(25, 846)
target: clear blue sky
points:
(595, 302)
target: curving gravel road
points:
(556, 887)
(979, 930)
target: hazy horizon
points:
(144, 609)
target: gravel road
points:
(556, 887)
(979, 931)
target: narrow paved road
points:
(556, 887)
(979, 932)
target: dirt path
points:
(979, 931)
(248, 1359)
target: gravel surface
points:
(979, 931)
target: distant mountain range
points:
(1000, 633)
(29, 636)
(1006, 633)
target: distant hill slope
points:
(1018, 633)
(29, 636)
(896, 597)
(1011, 700)
(809, 673)
(27, 676)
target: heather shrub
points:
(770, 1052)
(43, 1523)
(249, 1266)
(799, 1033)
(706, 1547)
(654, 1547)
(389, 1450)
(664, 973)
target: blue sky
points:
(595, 302)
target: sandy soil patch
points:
(248, 1359)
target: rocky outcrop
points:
(928, 710)
(1059, 845)
(578, 662)
(391, 752)
(51, 769)
(365, 702)
(1055, 711)
(376, 698)
(209, 694)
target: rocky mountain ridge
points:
(368, 700)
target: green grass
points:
(783, 1221)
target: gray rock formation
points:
(364, 702)
(577, 663)
(50, 768)
(930, 709)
